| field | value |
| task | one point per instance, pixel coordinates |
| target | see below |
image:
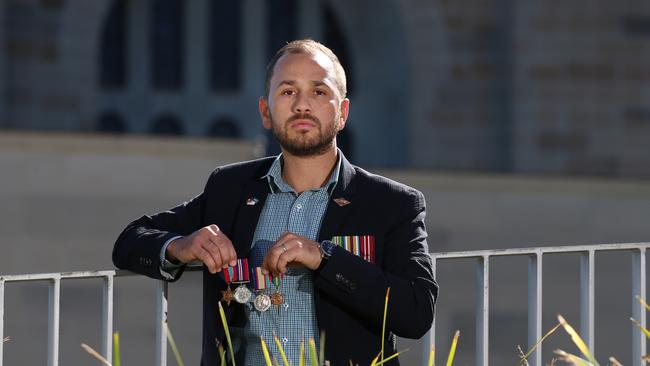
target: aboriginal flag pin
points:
(251, 201)
(341, 201)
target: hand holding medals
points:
(291, 248)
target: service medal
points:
(262, 302)
(242, 294)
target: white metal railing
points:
(55, 279)
(535, 255)
(535, 281)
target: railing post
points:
(429, 339)
(535, 307)
(53, 321)
(107, 318)
(2, 318)
(161, 318)
(587, 299)
(482, 310)
(638, 311)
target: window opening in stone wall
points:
(281, 16)
(113, 47)
(224, 37)
(334, 39)
(224, 127)
(167, 125)
(167, 44)
(112, 122)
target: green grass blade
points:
(575, 337)
(312, 353)
(321, 350)
(568, 357)
(279, 345)
(170, 339)
(390, 357)
(452, 349)
(645, 304)
(301, 358)
(265, 351)
(530, 351)
(225, 328)
(383, 326)
(222, 356)
(432, 356)
(116, 348)
(644, 330)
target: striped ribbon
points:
(277, 280)
(360, 245)
(237, 273)
(261, 281)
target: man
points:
(317, 237)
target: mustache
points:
(303, 116)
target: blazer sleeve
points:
(138, 247)
(407, 269)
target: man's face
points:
(304, 107)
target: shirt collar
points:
(278, 184)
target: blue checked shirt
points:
(295, 320)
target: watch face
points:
(327, 248)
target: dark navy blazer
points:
(350, 292)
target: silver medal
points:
(262, 302)
(242, 294)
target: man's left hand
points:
(291, 248)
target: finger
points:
(230, 248)
(205, 257)
(284, 236)
(271, 259)
(224, 252)
(287, 253)
(212, 246)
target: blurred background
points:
(525, 123)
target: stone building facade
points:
(532, 87)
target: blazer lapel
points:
(340, 202)
(252, 201)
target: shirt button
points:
(299, 206)
(285, 340)
(286, 306)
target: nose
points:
(301, 104)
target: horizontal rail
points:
(535, 300)
(533, 251)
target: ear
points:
(265, 113)
(345, 111)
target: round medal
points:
(262, 302)
(277, 298)
(242, 294)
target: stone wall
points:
(65, 198)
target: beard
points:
(303, 144)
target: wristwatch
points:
(326, 249)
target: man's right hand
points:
(209, 245)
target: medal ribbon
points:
(277, 280)
(360, 245)
(261, 281)
(238, 272)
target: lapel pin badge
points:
(341, 201)
(251, 201)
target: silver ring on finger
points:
(284, 248)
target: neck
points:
(303, 173)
